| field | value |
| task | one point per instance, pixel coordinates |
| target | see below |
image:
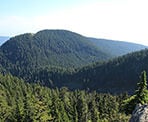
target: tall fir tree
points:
(141, 92)
(140, 96)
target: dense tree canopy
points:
(23, 102)
(58, 89)
(54, 58)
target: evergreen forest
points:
(24, 102)
(62, 76)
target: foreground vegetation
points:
(24, 102)
(55, 59)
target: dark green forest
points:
(58, 58)
(50, 47)
(115, 76)
(61, 76)
(23, 102)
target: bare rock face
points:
(140, 114)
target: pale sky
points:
(125, 20)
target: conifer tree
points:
(140, 96)
(141, 92)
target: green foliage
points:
(141, 92)
(128, 105)
(140, 96)
(51, 56)
(23, 102)
(115, 76)
(48, 48)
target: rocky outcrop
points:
(140, 114)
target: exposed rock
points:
(140, 114)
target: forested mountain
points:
(3, 39)
(117, 75)
(50, 57)
(24, 54)
(67, 75)
(114, 76)
(51, 47)
(60, 48)
(116, 48)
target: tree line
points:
(24, 102)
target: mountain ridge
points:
(52, 57)
(115, 76)
(117, 48)
(48, 48)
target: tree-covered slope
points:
(27, 53)
(23, 102)
(116, 48)
(58, 48)
(49, 57)
(117, 75)
(50, 47)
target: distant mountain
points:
(59, 48)
(116, 48)
(52, 56)
(3, 39)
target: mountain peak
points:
(51, 48)
(28, 53)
